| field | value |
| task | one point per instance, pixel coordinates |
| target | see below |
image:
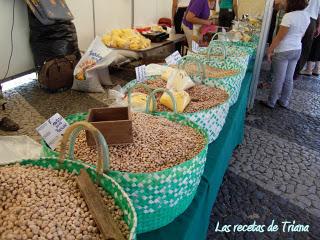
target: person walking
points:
(313, 31)
(285, 51)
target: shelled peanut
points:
(202, 97)
(158, 144)
(211, 72)
(39, 203)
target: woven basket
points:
(211, 120)
(106, 182)
(158, 197)
(232, 83)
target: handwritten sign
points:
(52, 130)
(173, 58)
(141, 73)
(195, 47)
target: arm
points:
(317, 33)
(283, 31)
(174, 7)
(235, 8)
(191, 17)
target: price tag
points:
(174, 58)
(195, 47)
(52, 130)
(141, 73)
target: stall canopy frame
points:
(260, 51)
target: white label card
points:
(53, 129)
(195, 47)
(174, 58)
(141, 73)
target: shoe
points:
(316, 72)
(306, 73)
(265, 104)
(282, 106)
(6, 124)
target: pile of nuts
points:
(211, 72)
(158, 144)
(202, 96)
(40, 203)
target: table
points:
(193, 223)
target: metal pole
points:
(132, 14)
(260, 51)
(94, 19)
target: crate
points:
(115, 124)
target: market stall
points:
(156, 157)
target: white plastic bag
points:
(92, 70)
(117, 94)
(179, 80)
(16, 148)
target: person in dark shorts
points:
(228, 11)
(179, 8)
(313, 31)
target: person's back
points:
(297, 22)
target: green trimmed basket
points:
(121, 198)
(211, 120)
(158, 197)
(232, 84)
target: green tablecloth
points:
(193, 223)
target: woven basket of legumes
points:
(41, 199)
(205, 105)
(160, 170)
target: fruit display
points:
(126, 39)
(41, 203)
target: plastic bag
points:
(179, 80)
(139, 102)
(117, 94)
(16, 148)
(92, 70)
(166, 73)
(182, 99)
(51, 41)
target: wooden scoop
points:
(97, 207)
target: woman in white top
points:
(179, 7)
(285, 52)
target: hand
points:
(317, 33)
(208, 22)
(269, 55)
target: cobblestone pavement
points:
(275, 173)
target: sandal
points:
(6, 124)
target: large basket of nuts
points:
(209, 106)
(215, 72)
(220, 50)
(40, 199)
(160, 171)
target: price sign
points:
(52, 130)
(195, 47)
(141, 73)
(174, 58)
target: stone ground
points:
(273, 175)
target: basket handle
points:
(146, 87)
(221, 47)
(72, 133)
(216, 34)
(200, 66)
(152, 95)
